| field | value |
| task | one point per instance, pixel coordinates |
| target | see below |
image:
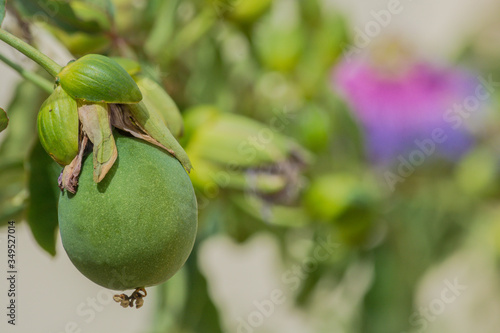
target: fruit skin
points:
(136, 227)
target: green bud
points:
(132, 67)
(92, 13)
(99, 79)
(247, 11)
(210, 175)
(476, 174)
(345, 201)
(80, 43)
(312, 128)
(234, 152)
(4, 120)
(329, 196)
(294, 217)
(157, 99)
(280, 40)
(58, 126)
(224, 138)
(196, 117)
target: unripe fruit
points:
(136, 227)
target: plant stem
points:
(28, 75)
(48, 64)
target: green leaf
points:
(2, 10)
(4, 120)
(14, 148)
(44, 194)
(12, 190)
(22, 125)
(163, 28)
(71, 16)
(200, 313)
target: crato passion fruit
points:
(135, 228)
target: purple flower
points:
(399, 109)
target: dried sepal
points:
(128, 301)
(96, 125)
(139, 303)
(123, 120)
(68, 179)
(122, 299)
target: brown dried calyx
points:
(95, 126)
(128, 301)
(97, 121)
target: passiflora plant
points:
(99, 151)
(111, 133)
(257, 143)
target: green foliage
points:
(44, 194)
(72, 16)
(12, 192)
(200, 313)
(4, 120)
(14, 149)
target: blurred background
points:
(346, 164)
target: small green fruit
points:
(137, 227)
(99, 79)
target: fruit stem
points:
(38, 80)
(48, 64)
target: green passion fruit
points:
(135, 228)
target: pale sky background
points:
(51, 290)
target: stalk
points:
(48, 64)
(38, 80)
